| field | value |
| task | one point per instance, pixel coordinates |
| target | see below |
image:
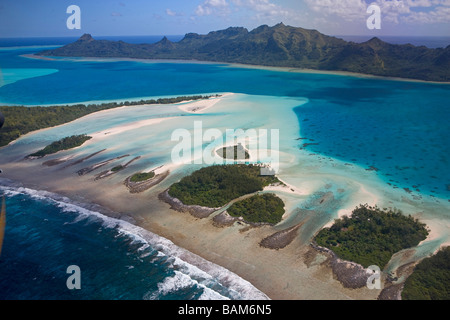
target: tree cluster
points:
(142, 176)
(215, 186)
(372, 235)
(63, 144)
(265, 208)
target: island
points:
(278, 46)
(63, 144)
(142, 181)
(371, 235)
(142, 176)
(244, 224)
(215, 186)
(356, 247)
(238, 152)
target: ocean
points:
(397, 130)
(46, 233)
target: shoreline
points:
(121, 101)
(196, 257)
(333, 72)
(120, 107)
(280, 274)
(138, 187)
(350, 274)
(176, 204)
(252, 66)
(200, 106)
(127, 223)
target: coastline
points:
(127, 224)
(331, 72)
(251, 66)
(201, 106)
(195, 210)
(280, 274)
(245, 264)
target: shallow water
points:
(399, 128)
(374, 141)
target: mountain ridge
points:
(279, 46)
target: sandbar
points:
(200, 106)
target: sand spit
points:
(98, 136)
(138, 187)
(83, 159)
(194, 210)
(55, 162)
(99, 165)
(200, 106)
(110, 172)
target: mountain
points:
(279, 46)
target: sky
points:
(47, 18)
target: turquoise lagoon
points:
(362, 139)
(399, 128)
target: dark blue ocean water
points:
(42, 240)
(45, 234)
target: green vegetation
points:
(142, 176)
(430, 279)
(279, 46)
(237, 150)
(117, 168)
(21, 120)
(371, 236)
(63, 144)
(217, 185)
(259, 208)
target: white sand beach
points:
(200, 106)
